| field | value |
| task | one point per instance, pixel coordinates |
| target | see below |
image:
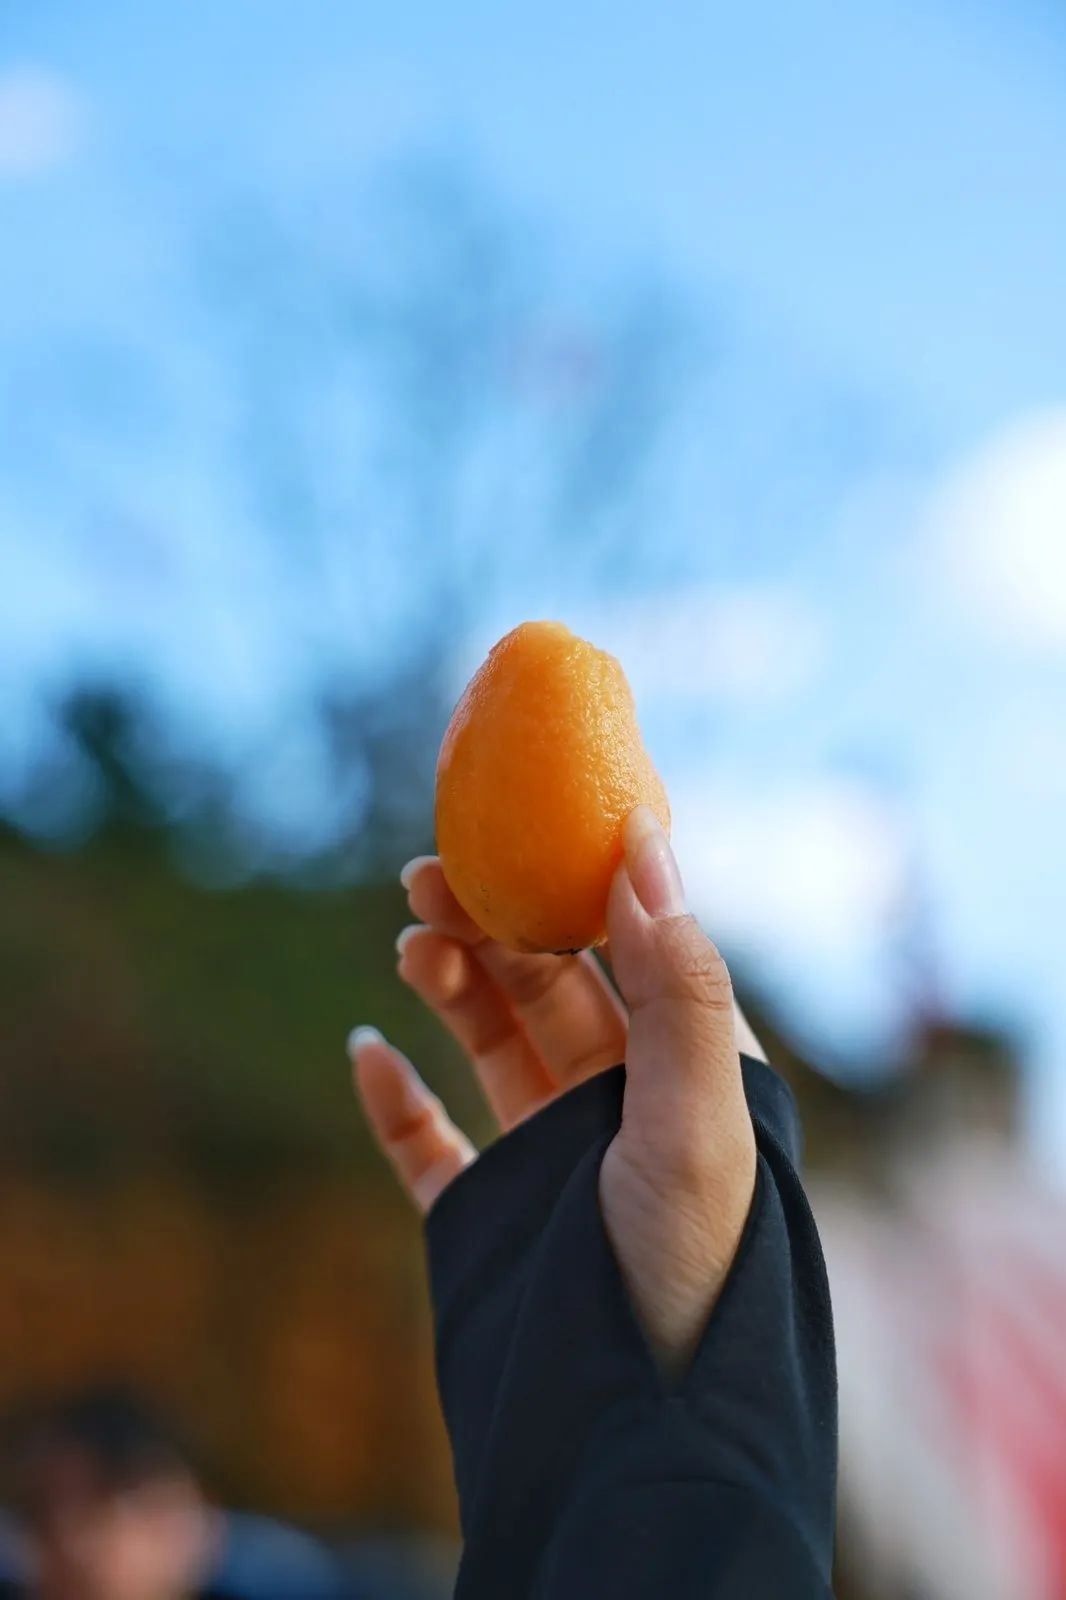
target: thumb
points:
(684, 1109)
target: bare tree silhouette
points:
(421, 417)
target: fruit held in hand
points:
(540, 766)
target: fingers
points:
(567, 1007)
(564, 1004)
(433, 903)
(414, 1131)
(446, 975)
(684, 1094)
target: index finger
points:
(432, 901)
(566, 1006)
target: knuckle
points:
(698, 972)
(714, 1161)
(669, 1170)
(687, 1165)
(702, 1165)
(488, 1037)
(528, 980)
(597, 1057)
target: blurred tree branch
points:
(418, 420)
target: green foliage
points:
(149, 1019)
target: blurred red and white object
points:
(950, 1303)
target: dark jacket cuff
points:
(553, 1401)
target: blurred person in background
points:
(108, 1507)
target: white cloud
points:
(801, 885)
(745, 644)
(741, 646)
(40, 122)
(813, 870)
(998, 531)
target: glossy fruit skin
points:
(540, 766)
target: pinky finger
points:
(414, 1131)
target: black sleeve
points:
(580, 1472)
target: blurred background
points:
(334, 341)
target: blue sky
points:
(848, 633)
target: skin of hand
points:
(677, 1180)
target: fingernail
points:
(652, 868)
(405, 935)
(407, 873)
(359, 1037)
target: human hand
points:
(677, 1180)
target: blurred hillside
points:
(187, 1195)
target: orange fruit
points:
(540, 766)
